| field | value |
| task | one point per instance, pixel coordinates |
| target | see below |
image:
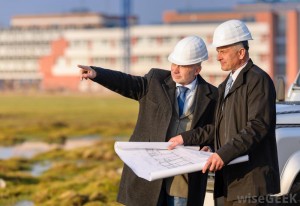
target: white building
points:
(47, 58)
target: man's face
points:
(184, 74)
(230, 57)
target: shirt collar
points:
(191, 85)
(236, 72)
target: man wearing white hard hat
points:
(245, 123)
(170, 103)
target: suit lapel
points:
(201, 100)
(221, 90)
(169, 87)
(240, 78)
(238, 82)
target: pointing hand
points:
(87, 72)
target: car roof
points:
(288, 113)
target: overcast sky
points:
(148, 11)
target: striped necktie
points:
(228, 85)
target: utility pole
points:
(126, 35)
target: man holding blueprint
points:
(152, 160)
(170, 103)
(245, 123)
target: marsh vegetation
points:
(82, 176)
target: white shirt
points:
(236, 73)
(189, 94)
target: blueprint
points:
(152, 160)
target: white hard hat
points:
(189, 50)
(230, 32)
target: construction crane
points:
(126, 35)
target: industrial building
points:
(42, 55)
(282, 19)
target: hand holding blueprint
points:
(152, 160)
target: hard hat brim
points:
(228, 43)
(184, 63)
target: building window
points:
(159, 40)
(158, 59)
(134, 59)
(209, 39)
(263, 57)
(265, 38)
(134, 41)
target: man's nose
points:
(219, 56)
(175, 68)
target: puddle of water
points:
(38, 168)
(30, 149)
(5, 152)
(80, 142)
(26, 149)
(24, 203)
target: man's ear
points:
(198, 69)
(242, 53)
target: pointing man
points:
(170, 103)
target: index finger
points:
(172, 146)
(207, 165)
(83, 67)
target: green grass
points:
(53, 118)
(73, 179)
(85, 176)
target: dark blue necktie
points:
(181, 98)
(228, 85)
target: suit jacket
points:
(155, 93)
(250, 118)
